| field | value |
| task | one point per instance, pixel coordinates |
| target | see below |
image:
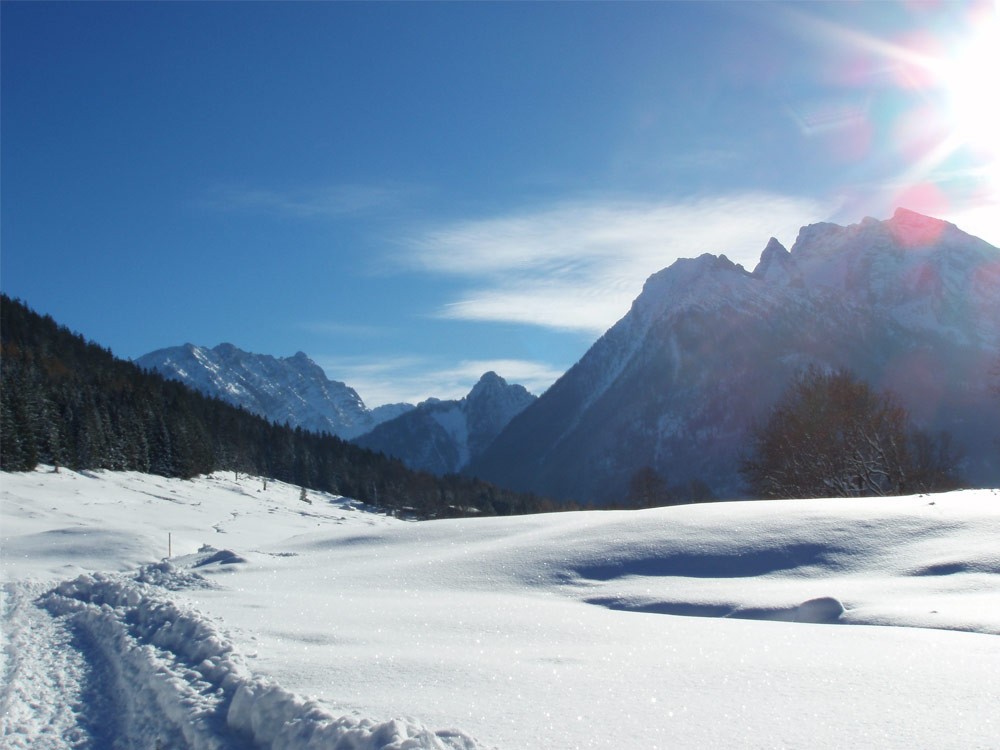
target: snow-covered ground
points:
(278, 623)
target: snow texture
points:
(178, 683)
(277, 624)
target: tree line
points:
(68, 402)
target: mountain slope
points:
(69, 403)
(443, 436)
(292, 390)
(911, 304)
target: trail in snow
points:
(108, 661)
(42, 661)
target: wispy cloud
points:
(329, 201)
(578, 265)
(413, 379)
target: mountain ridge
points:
(293, 390)
(910, 303)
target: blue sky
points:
(415, 193)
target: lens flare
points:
(970, 79)
(932, 107)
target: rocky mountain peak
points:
(293, 389)
(911, 304)
(444, 436)
(488, 386)
(774, 259)
(911, 229)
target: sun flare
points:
(933, 94)
(970, 81)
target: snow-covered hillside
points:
(284, 623)
(287, 389)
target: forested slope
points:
(67, 402)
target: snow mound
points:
(823, 609)
(220, 556)
(177, 682)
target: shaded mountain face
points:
(911, 304)
(292, 390)
(442, 437)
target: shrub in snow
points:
(832, 435)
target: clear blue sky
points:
(415, 193)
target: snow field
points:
(281, 624)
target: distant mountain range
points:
(910, 304)
(442, 437)
(437, 436)
(292, 390)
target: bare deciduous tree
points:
(832, 435)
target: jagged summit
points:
(775, 263)
(290, 389)
(910, 303)
(490, 377)
(772, 253)
(705, 281)
(492, 386)
(442, 437)
(904, 217)
(905, 230)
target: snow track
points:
(109, 661)
(40, 661)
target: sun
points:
(970, 79)
(941, 87)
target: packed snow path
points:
(47, 695)
(112, 661)
(107, 661)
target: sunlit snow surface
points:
(280, 623)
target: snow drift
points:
(283, 624)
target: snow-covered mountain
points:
(288, 389)
(911, 304)
(443, 436)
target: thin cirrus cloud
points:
(576, 266)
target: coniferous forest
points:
(67, 402)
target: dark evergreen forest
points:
(67, 402)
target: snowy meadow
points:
(144, 612)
